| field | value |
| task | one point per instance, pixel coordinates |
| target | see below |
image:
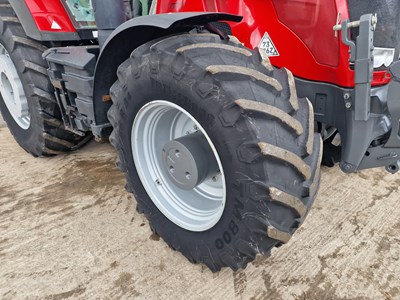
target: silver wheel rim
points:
(157, 123)
(12, 91)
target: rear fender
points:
(131, 35)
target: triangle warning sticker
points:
(55, 26)
(268, 46)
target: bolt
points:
(187, 132)
(188, 176)
(394, 168)
(346, 96)
(348, 105)
(195, 127)
(215, 179)
(347, 167)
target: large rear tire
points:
(27, 101)
(262, 134)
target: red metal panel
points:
(324, 59)
(45, 13)
(310, 20)
(170, 6)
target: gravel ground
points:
(69, 230)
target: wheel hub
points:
(189, 160)
(178, 165)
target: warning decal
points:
(268, 46)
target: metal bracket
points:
(346, 25)
(389, 153)
(393, 103)
(364, 67)
(361, 55)
(358, 121)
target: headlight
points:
(383, 57)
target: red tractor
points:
(220, 143)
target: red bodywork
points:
(45, 12)
(301, 30)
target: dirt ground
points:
(69, 230)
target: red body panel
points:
(45, 12)
(311, 51)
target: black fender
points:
(127, 37)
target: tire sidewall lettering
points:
(227, 235)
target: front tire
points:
(263, 134)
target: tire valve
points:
(158, 181)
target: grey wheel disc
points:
(12, 91)
(156, 125)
